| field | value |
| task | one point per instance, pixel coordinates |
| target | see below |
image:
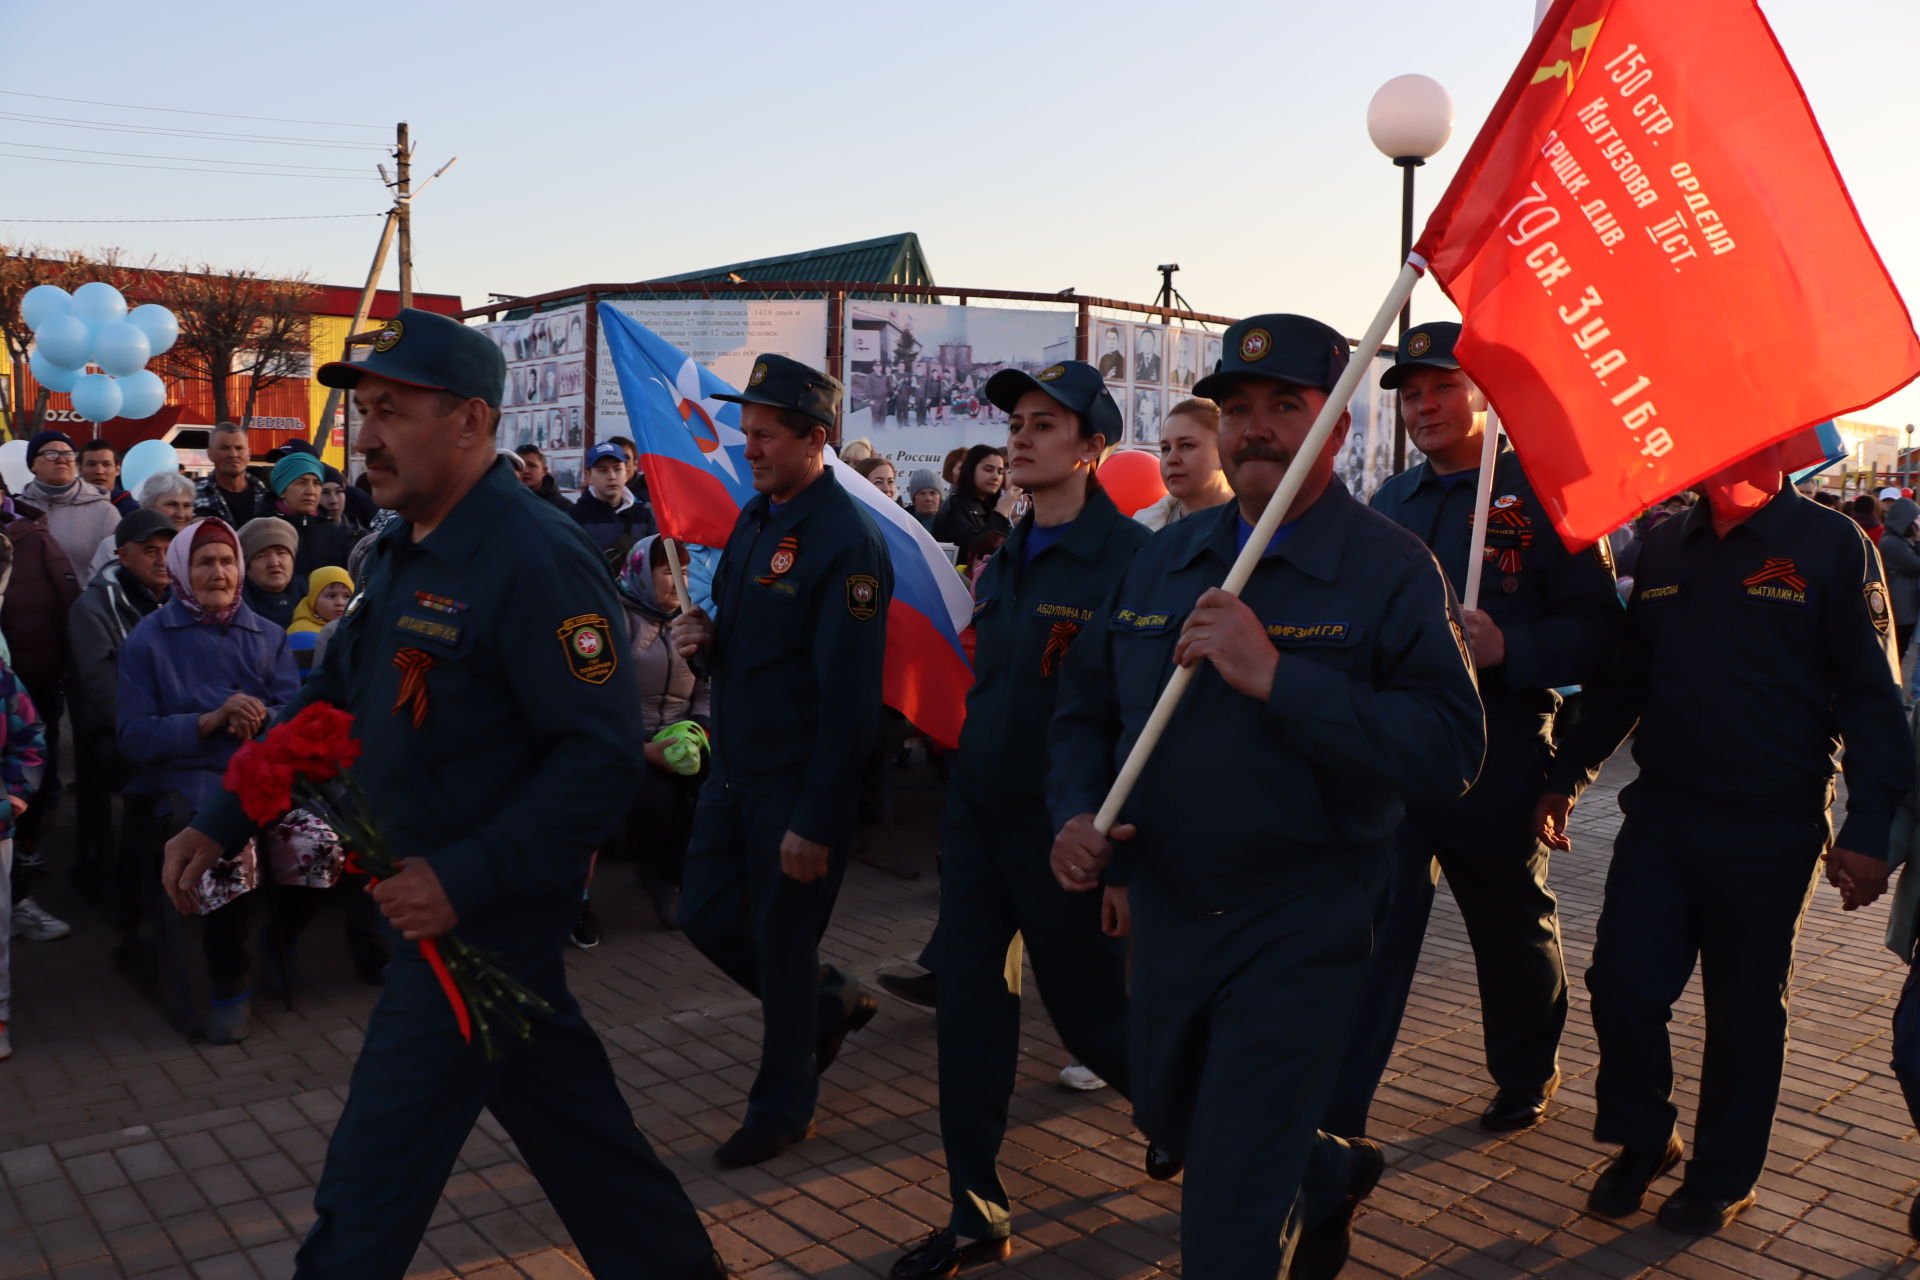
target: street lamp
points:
(1409, 119)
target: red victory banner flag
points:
(1659, 268)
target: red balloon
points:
(1131, 478)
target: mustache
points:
(378, 457)
(1256, 452)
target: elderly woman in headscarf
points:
(197, 678)
(297, 481)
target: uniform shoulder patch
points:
(1878, 611)
(588, 643)
(863, 596)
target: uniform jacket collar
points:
(1423, 473)
(797, 508)
(1086, 535)
(452, 542)
(1771, 523)
(1314, 548)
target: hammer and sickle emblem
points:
(1582, 44)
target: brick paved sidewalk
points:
(125, 1152)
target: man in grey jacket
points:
(78, 513)
(120, 595)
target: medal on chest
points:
(784, 557)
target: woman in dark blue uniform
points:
(1042, 587)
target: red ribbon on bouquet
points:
(431, 950)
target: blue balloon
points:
(96, 397)
(98, 303)
(148, 458)
(50, 375)
(141, 396)
(120, 348)
(65, 341)
(43, 302)
(158, 323)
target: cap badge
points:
(1419, 344)
(759, 374)
(1052, 373)
(1254, 345)
(390, 336)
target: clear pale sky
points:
(1031, 146)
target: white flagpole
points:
(679, 573)
(1277, 506)
(1477, 547)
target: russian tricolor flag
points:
(694, 458)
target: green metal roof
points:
(884, 260)
(893, 259)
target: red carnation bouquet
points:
(305, 763)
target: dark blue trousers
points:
(995, 890)
(1694, 882)
(418, 1088)
(763, 930)
(1497, 871)
(1238, 1024)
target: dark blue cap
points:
(601, 452)
(421, 349)
(788, 384)
(1427, 346)
(1283, 348)
(1074, 383)
(44, 438)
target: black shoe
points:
(1623, 1184)
(755, 1146)
(941, 1254)
(1518, 1108)
(829, 1044)
(1162, 1164)
(666, 906)
(1693, 1212)
(586, 930)
(1324, 1246)
(915, 988)
(712, 1269)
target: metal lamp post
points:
(1409, 119)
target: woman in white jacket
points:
(1189, 464)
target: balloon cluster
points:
(92, 326)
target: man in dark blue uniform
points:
(479, 662)
(1333, 687)
(796, 650)
(1546, 618)
(1762, 614)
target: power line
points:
(178, 168)
(66, 122)
(302, 217)
(182, 111)
(141, 155)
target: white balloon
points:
(99, 303)
(148, 458)
(142, 395)
(13, 465)
(158, 323)
(43, 302)
(65, 341)
(120, 348)
(96, 397)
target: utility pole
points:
(403, 203)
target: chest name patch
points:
(1322, 631)
(588, 643)
(1661, 593)
(1777, 579)
(1137, 621)
(1062, 612)
(428, 628)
